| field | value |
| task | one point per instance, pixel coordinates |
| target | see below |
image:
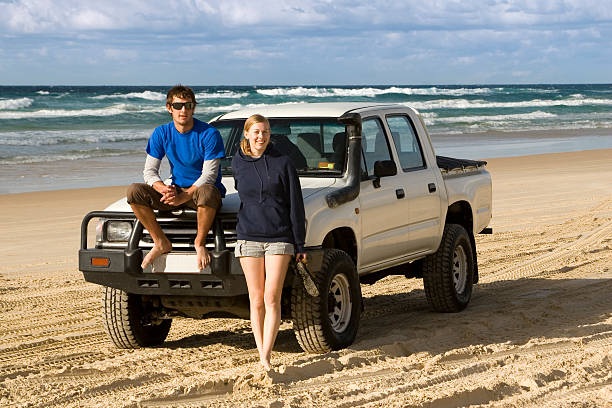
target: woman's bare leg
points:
(276, 269)
(254, 273)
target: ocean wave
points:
(497, 118)
(428, 115)
(57, 137)
(42, 92)
(238, 106)
(513, 126)
(148, 95)
(481, 104)
(370, 92)
(119, 109)
(222, 95)
(11, 104)
(75, 155)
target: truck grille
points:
(181, 228)
(182, 232)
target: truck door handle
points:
(431, 187)
(400, 193)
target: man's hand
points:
(203, 257)
(172, 196)
(168, 193)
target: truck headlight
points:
(118, 231)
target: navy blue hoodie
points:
(271, 207)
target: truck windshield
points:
(317, 146)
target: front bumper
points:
(120, 268)
(121, 273)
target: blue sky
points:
(230, 42)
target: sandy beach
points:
(538, 331)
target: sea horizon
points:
(52, 136)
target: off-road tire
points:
(127, 322)
(449, 273)
(328, 321)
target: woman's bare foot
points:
(155, 252)
(203, 256)
(266, 364)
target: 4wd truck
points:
(378, 201)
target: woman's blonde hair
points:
(253, 119)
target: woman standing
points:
(271, 227)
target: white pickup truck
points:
(378, 201)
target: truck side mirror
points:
(383, 168)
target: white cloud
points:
(91, 19)
(319, 39)
(31, 16)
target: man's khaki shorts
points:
(143, 194)
(261, 249)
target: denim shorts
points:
(260, 249)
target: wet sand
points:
(538, 331)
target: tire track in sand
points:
(538, 264)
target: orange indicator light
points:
(100, 262)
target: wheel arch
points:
(342, 238)
(460, 212)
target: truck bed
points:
(451, 163)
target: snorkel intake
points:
(352, 121)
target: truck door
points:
(382, 209)
(418, 180)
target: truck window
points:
(316, 146)
(231, 132)
(406, 142)
(374, 145)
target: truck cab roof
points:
(305, 110)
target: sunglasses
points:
(179, 105)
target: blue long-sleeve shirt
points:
(272, 207)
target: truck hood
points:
(231, 202)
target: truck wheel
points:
(130, 322)
(328, 321)
(448, 274)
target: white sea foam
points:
(370, 92)
(222, 95)
(534, 103)
(238, 106)
(45, 158)
(42, 92)
(119, 109)
(58, 137)
(429, 115)
(11, 104)
(496, 118)
(148, 95)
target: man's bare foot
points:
(155, 252)
(203, 256)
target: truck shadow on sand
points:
(499, 312)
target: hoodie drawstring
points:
(260, 180)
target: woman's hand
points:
(301, 256)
